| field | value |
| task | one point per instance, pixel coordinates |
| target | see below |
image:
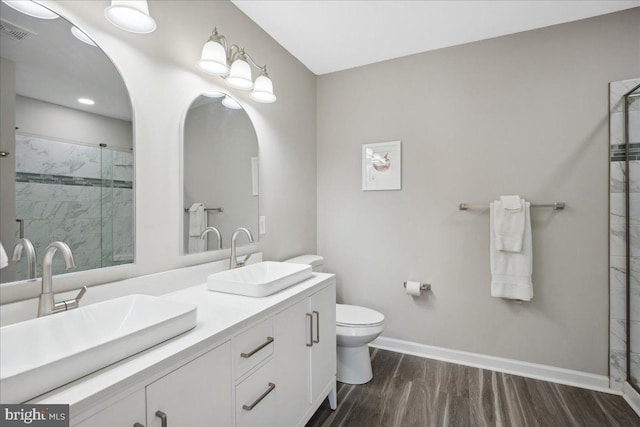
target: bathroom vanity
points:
(248, 361)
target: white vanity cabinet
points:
(270, 368)
(196, 394)
(305, 356)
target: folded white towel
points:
(511, 203)
(4, 261)
(197, 224)
(508, 226)
(511, 271)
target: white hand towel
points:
(511, 271)
(511, 203)
(508, 226)
(197, 224)
(4, 261)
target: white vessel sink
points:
(260, 279)
(44, 353)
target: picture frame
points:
(382, 166)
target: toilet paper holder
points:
(423, 286)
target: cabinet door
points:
(323, 352)
(291, 356)
(196, 394)
(125, 412)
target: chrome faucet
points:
(47, 304)
(214, 230)
(233, 262)
(27, 246)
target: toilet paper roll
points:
(413, 288)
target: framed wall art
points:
(382, 166)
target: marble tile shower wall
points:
(617, 236)
(79, 194)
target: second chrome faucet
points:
(233, 261)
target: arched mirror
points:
(220, 173)
(66, 170)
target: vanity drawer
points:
(256, 398)
(253, 346)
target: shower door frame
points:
(628, 228)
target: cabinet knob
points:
(163, 418)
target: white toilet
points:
(356, 327)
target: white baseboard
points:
(632, 397)
(509, 366)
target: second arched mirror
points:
(220, 173)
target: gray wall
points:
(522, 114)
(41, 118)
(7, 164)
(160, 71)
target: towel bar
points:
(557, 206)
(208, 209)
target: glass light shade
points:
(214, 58)
(231, 103)
(81, 36)
(86, 101)
(30, 8)
(240, 75)
(263, 90)
(131, 15)
(213, 93)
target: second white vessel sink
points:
(41, 354)
(260, 279)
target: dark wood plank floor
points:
(413, 391)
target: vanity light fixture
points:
(216, 57)
(213, 94)
(131, 15)
(30, 8)
(82, 36)
(229, 102)
(86, 101)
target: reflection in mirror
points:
(220, 154)
(66, 124)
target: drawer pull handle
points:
(138, 425)
(254, 351)
(317, 340)
(310, 343)
(259, 399)
(163, 418)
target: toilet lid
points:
(354, 316)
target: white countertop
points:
(219, 317)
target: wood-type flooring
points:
(408, 391)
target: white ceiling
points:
(329, 36)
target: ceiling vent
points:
(13, 31)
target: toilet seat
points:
(354, 316)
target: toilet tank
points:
(315, 261)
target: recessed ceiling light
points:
(30, 8)
(82, 36)
(86, 101)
